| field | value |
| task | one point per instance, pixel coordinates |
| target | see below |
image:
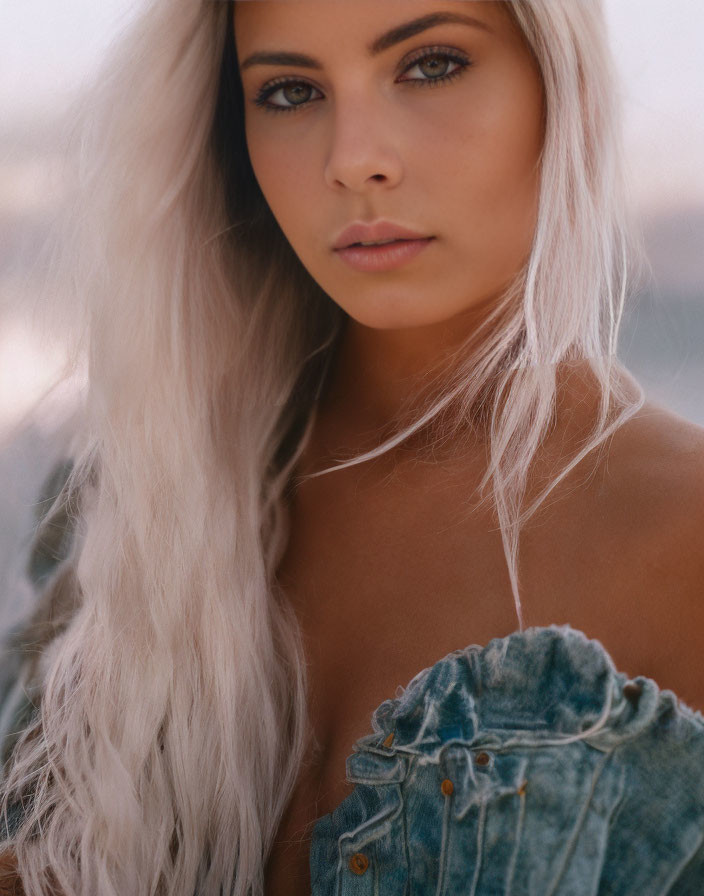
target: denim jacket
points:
(528, 767)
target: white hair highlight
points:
(173, 716)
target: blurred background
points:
(49, 50)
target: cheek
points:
(285, 179)
(495, 147)
(491, 181)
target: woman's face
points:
(426, 114)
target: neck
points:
(380, 379)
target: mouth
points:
(380, 243)
(383, 256)
(370, 234)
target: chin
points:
(379, 314)
(380, 318)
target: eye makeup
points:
(449, 56)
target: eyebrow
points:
(384, 42)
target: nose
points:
(363, 153)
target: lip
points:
(359, 232)
(372, 259)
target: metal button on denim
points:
(358, 863)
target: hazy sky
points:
(48, 47)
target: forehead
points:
(265, 22)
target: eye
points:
(436, 64)
(433, 65)
(295, 92)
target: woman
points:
(235, 617)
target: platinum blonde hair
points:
(173, 713)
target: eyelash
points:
(453, 56)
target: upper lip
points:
(375, 232)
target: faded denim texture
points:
(529, 767)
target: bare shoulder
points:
(654, 473)
(650, 471)
(655, 430)
(654, 468)
(656, 464)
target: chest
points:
(388, 575)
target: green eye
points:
(438, 59)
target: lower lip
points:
(382, 258)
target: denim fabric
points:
(529, 767)
(48, 564)
(48, 559)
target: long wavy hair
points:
(173, 714)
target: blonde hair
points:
(173, 713)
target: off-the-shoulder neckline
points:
(564, 633)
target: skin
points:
(616, 552)
(385, 138)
